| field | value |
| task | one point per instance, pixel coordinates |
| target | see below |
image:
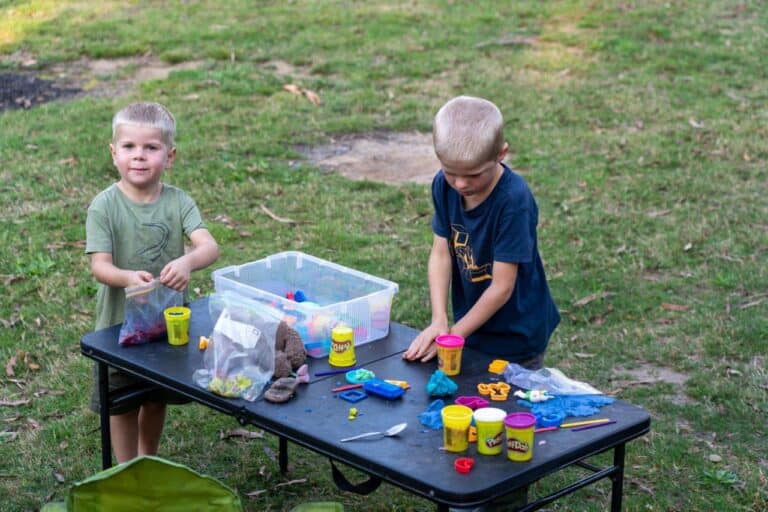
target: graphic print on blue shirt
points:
(462, 250)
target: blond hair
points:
(468, 129)
(148, 114)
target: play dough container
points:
(342, 347)
(177, 324)
(449, 348)
(490, 430)
(519, 429)
(456, 420)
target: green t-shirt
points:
(139, 237)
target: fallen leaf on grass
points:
(223, 219)
(675, 307)
(292, 482)
(751, 304)
(59, 477)
(657, 213)
(9, 367)
(14, 320)
(592, 297)
(241, 432)
(13, 403)
(583, 355)
(10, 279)
(715, 458)
(312, 96)
(293, 89)
(55, 246)
(68, 161)
(271, 215)
(696, 124)
(254, 494)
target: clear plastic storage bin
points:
(332, 294)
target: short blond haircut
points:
(468, 129)
(147, 113)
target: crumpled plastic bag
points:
(551, 380)
(240, 358)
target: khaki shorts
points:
(119, 381)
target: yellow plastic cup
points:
(519, 429)
(456, 420)
(342, 352)
(449, 348)
(490, 430)
(177, 324)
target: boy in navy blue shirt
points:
(484, 246)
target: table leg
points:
(106, 443)
(282, 456)
(617, 489)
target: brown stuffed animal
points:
(289, 350)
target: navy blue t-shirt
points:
(502, 228)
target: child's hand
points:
(423, 346)
(176, 274)
(139, 277)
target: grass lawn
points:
(641, 126)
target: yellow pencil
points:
(587, 422)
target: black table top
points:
(316, 418)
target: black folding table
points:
(317, 419)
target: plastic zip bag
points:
(551, 380)
(144, 305)
(240, 358)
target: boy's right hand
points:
(423, 347)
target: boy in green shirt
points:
(135, 233)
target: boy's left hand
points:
(176, 274)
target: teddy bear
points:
(290, 353)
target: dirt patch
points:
(114, 77)
(286, 69)
(26, 91)
(385, 157)
(82, 77)
(649, 375)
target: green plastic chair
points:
(149, 483)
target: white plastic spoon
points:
(391, 431)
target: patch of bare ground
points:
(387, 157)
(650, 375)
(286, 69)
(114, 77)
(32, 86)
